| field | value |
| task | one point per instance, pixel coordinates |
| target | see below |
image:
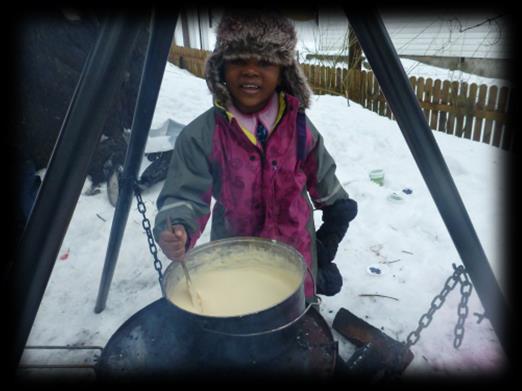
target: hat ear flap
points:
(215, 78)
(294, 82)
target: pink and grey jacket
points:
(258, 192)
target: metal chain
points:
(459, 276)
(462, 310)
(150, 238)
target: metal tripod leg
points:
(160, 40)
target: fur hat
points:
(262, 35)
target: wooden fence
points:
(193, 60)
(475, 112)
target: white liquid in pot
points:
(237, 287)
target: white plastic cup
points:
(377, 176)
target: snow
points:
(419, 69)
(407, 240)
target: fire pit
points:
(157, 342)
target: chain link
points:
(462, 310)
(459, 276)
(150, 238)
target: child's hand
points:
(173, 242)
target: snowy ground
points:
(407, 240)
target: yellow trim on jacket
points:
(280, 111)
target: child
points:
(257, 154)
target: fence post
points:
(426, 100)
(499, 124)
(435, 100)
(460, 109)
(470, 108)
(376, 93)
(492, 99)
(453, 92)
(338, 80)
(364, 88)
(480, 120)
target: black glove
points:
(329, 280)
(325, 252)
(336, 219)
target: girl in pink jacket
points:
(257, 154)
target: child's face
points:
(251, 82)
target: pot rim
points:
(192, 255)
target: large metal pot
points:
(253, 337)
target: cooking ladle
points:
(194, 295)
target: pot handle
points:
(313, 281)
(315, 301)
